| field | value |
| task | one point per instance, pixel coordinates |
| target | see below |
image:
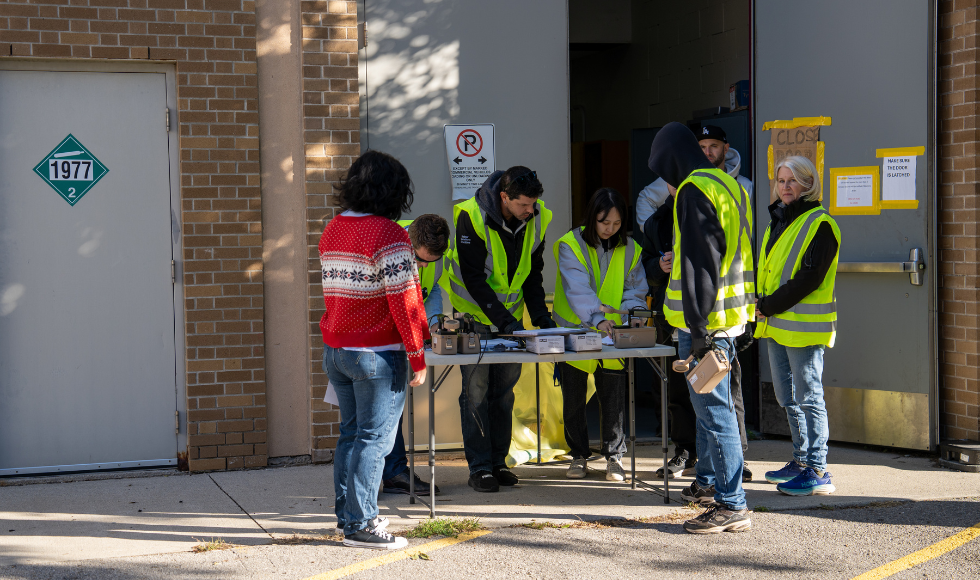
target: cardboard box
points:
(590, 341)
(546, 344)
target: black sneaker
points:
(675, 466)
(697, 494)
(483, 481)
(719, 519)
(400, 484)
(374, 538)
(746, 472)
(505, 476)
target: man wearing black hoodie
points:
(709, 299)
(497, 264)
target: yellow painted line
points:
(922, 556)
(396, 556)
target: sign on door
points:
(71, 170)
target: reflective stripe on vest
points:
(814, 320)
(430, 274)
(734, 303)
(608, 289)
(508, 292)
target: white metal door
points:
(87, 351)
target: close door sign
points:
(71, 169)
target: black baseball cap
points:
(712, 132)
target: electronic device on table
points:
(631, 335)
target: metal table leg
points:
(432, 444)
(632, 428)
(537, 408)
(663, 424)
(411, 441)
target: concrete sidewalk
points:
(172, 512)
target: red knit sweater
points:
(371, 287)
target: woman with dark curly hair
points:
(373, 330)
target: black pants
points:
(610, 388)
(682, 418)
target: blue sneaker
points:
(788, 472)
(808, 483)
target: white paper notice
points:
(470, 151)
(898, 179)
(331, 395)
(855, 190)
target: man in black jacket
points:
(497, 265)
(710, 209)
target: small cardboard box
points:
(583, 342)
(546, 344)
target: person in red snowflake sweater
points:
(374, 328)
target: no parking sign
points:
(470, 151)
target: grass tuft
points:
(213, 544)
(448, 527)
(760, 509)
(543, 525)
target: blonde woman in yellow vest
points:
(797, 312)
(598, 265)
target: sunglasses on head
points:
(424, 261)
(526, 177)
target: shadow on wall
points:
(412, 82)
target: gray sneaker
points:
(578, 469)
(697, 494)
(719, 519)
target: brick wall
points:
(958, 216)
(213, 45)
(332, 138)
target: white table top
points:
(520, 356)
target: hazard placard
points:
(470, 151)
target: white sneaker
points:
(578, 469)
(614, 470)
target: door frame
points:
(169, 70)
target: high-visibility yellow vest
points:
(735, 302)
(609, 289)
(814, 320)
(430, 275)
(509, 292)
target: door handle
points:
(913, 267)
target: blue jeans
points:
(371, 390)
(396, 462)
(719, 444)
(486, 413)
(797, 374)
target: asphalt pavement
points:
(278, 523)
